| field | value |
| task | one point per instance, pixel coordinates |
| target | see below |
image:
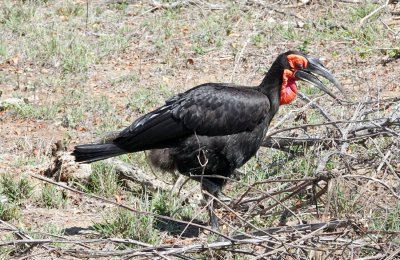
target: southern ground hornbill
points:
(214, 128)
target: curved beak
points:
(315, 66)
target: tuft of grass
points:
(257, 39)
(309, 90)
(6, 252)
(46, 231)
(102, 181)
(146, 228)
(14, 189)
(170, 205)
(14, 15)
(387, 221)
(126, 224)
(3, 51)
(118, 5)
(76, 57)
(53, 197)
(9, 211)
(70, 8)
(360, 11)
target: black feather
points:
(95, 152)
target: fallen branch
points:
(134, 173)
(327, 226)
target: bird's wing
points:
(210, 109)
(221, 110)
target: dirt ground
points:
(73, 70)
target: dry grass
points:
(68, 74)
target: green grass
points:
(130, 78)
(52, 197)
(44, 232)
(146, 99)
(118, 5)
(358, 12)
(6, 252)
(126, 224)
(15, 15)
(70, 8)
(387, 220)
(102, 181)
(15, 189)
(28, 159)
(3, 51)
(80, 109)
(38, 112)
(59, 43)
(170, 205)
(9, 211)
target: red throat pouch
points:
(289, 88)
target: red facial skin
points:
(289, 87)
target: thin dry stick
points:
(239, 57)
(364, 19)
(285, 118)
(302, 3)
(300, 228)
(267, 194)
(373, 179)
(300, 188)
(296, 241)
(19, 232)
(305, 126)
(245, 221)
(321, 111)
(87, 15)
(251, 187)
(384, 158)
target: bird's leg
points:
(213, 191)
(213, 218)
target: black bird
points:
(214, 128)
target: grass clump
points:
(12, 194)
(70, 9)
(387, 220)
(15, 190)
(167, 204)
(14, 15)
(103, 180)
(52, 197)
(146, 227)
(126, 224)
(9, 211)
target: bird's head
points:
(300, 66)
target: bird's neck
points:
(271, 87)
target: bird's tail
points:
(89, 153)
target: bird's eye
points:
(299, 66)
